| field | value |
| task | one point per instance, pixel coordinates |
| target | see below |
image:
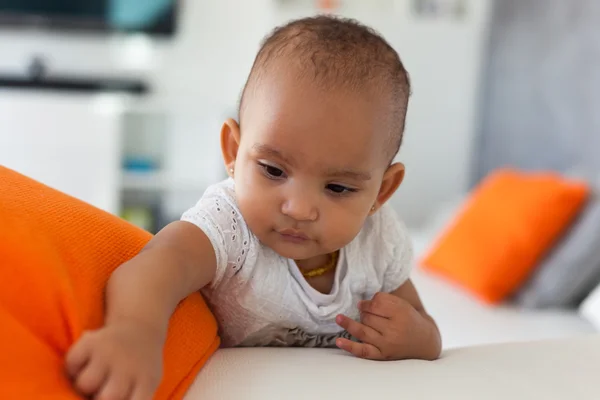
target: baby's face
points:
(309, 166)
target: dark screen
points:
(152, 16)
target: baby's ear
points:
(391, 182)
(230, 143)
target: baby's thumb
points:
(78, 356)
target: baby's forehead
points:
(295, 89)
(324, 128)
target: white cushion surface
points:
(557, 369)
(464, 321)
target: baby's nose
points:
(300, 207)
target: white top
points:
(261, 299)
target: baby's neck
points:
(313, 262)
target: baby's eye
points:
(339, 189)
(272, 172)
(276, 172)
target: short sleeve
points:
(400, 250)
(217, 214)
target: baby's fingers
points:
(91, 378)
(362, 350)
(78, 356)
(360, 331)
(116, 387)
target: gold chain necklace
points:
(331, 264)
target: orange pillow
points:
(508, 224)
(56, 255)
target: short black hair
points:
(338, 52)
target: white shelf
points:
(148, 181)
(157, 182)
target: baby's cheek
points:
(343, 228)
(255, 214)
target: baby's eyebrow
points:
(351, 174)
(272, 152)
(269, 151)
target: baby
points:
(298, 246)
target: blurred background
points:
(120, 102)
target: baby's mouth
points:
(293, 235)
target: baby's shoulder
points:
(218, 201)
(384, 234)
(217, 210)
(218, 216)
(382, 253)
(223, 190)
(385, 222)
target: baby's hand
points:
(121, 361)
(389, 329)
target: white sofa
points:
(550, 370)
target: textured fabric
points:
(564, 369)
(540, 90)
(56, 254)
(261, 298)
(571, 270)
(511, 220)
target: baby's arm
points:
(123, 359)
(393, 326)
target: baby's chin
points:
(292, 250)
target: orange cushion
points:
(56, 255)
(507, 225)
